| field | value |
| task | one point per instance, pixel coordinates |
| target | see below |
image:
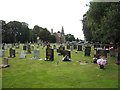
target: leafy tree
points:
(69, 37)
(101, 23)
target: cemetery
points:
(45, 68)
(67, 44)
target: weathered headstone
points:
(1, 53)
(87, 50)
(28, 49)
(22, 54)
(5, 61)
(36, 54)
(49, 54)
(12, 52)
(79, 47)
(71, 48)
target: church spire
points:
(62, 31)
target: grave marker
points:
(22, 54)
(1, 53)
(49, 54)
(87, 50)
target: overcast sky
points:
(47, 14)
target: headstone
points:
(68, 46)
(32, 48)
(24, 47)
(71, 48)
(5, 47)
(79, 47)
(49, 54)
(75, 46)
(5, 61)
(28, 49)
(36, 54)
(12, 52)
(1, 53)
(87, 50)
(22, 54)
(102, 52)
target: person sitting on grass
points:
(102, 62)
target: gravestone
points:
(36, 54)
(49, 54)
(75, 46)
(5, 61)
(22, 54)
(68, 46)
(87, 51)
(32, 47)
(28, 49)
(79, 48)
(24, 47)
(1, 53)
(5, 47)
(12, 52)
(101, 52)
(71, 48)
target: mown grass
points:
(30, 73)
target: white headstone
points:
(36, 54)
(1, 53)
(22, 54)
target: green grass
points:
(30, 73)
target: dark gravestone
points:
(79, 47)
(49, 54)
(75, 46)
(12, 52)
(68, 46)
(87, 51)
(28, 49)
(24, 47)
(101, 52)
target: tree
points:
(101, 23)
(69, 37)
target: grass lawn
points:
(30, 73)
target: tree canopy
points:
(101, 22)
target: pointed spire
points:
(62, 31)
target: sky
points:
(50, 14)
